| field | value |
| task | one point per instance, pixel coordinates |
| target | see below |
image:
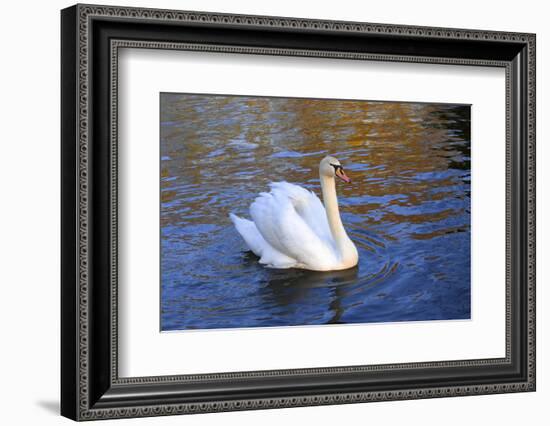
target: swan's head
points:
(331, 167)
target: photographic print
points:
(295, 211)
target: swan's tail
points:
(255, 242)
(250, 234)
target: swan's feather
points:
(287, 231)
(308, 206)
(255, 242)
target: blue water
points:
(407, 210)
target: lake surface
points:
(407, 210)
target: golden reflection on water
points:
(383, 151)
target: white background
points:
(146, 352)
(29, 225)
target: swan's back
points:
(307, 205)
(293, 221)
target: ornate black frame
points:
(91, 37)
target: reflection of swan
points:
(287, 288)
(292, 229)
(300, 279)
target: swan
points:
(290, 227)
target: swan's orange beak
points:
(340, 173)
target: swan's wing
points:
(286, 231)
(261, 248)
(308, 206)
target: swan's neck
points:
(328, 187)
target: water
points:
(407, 210)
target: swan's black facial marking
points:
(337, 167)
(339, 172)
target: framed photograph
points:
(263, 212)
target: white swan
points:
(292, 229)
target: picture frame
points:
(91, 37)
